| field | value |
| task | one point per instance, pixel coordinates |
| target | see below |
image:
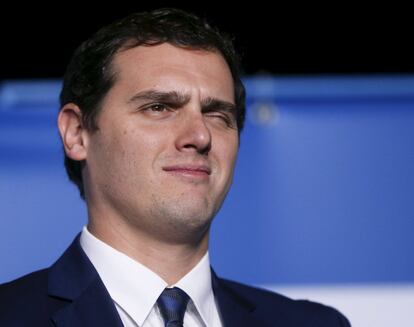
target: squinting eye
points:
(224, 118)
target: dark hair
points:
(89, 75)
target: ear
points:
(72, 132)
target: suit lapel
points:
(73, 279)
(93, 307)
(235, 310)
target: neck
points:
(170, 260)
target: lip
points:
(189, 170)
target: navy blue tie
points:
(172, 304)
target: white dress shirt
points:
(134, 288)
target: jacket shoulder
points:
(271, 305)
(25, 301)
(24, 285)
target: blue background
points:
(323, 191)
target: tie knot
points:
(172, 304)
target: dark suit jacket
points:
(71, 294)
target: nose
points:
(194, 134)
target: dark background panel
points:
(276, 38)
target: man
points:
(151, 112)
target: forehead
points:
(169, 67)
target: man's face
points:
(162, 160)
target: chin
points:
(183, 216)
(192, 218)
(185, 222)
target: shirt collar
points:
(136, 288)
(197, 284)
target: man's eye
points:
(157, 107)
(224, 118)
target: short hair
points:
(89, 75)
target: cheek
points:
(228, 155)
(139, 150)
(114, 150)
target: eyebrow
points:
(212, 104)
(171, 97)
(177, 99)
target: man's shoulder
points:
(32, 283)
(298, 312)
(24, 299)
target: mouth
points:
(192, 171)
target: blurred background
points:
(321, 205)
